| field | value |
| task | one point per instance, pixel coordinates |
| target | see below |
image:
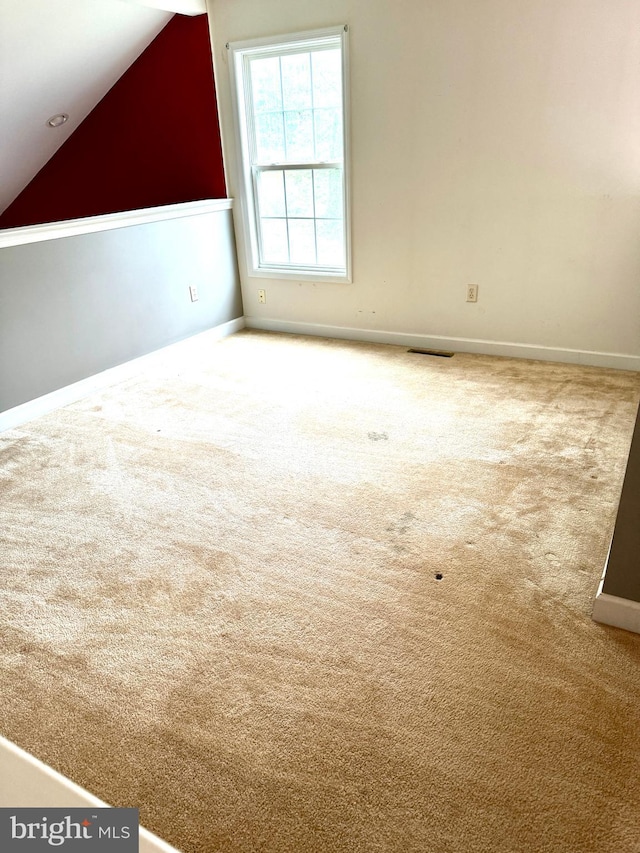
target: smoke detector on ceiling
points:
(57, 120)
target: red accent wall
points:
(153, 139)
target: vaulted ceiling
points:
(63, 57)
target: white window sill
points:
(284, 274)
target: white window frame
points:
(279, 45)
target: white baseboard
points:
(481, 347)
(616, 611)
(26, 782)
(70, 393)
(78, 390)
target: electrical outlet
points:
(262, 296)
(472, 293)
(193, 293)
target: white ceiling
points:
(184, 7)
(61, 56)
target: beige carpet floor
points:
(220, 600)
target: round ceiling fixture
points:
(57, 120)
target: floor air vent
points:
(438, 352)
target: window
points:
(290, 101)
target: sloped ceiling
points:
(184, 7)
(126, 154)
(60, 56)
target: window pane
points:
(330, 237)
(265, 84)
(269, 138)
(296, 82)
(271, 194)
(302, 241)
(275, 246)
(328, 192)
(299, 193)
(328, 134)
(299, 133)
(327, 78)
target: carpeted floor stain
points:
(220, 601)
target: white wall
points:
(494, 142)
(73, 306)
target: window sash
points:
(288, 217)
(259, 261)
(312, 164)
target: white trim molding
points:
(619, 612)
(618, 361)
(25, 412)
(27, 782)
(109, 221)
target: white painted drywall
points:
(183, 7)
(494, 143)
(60, 57)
